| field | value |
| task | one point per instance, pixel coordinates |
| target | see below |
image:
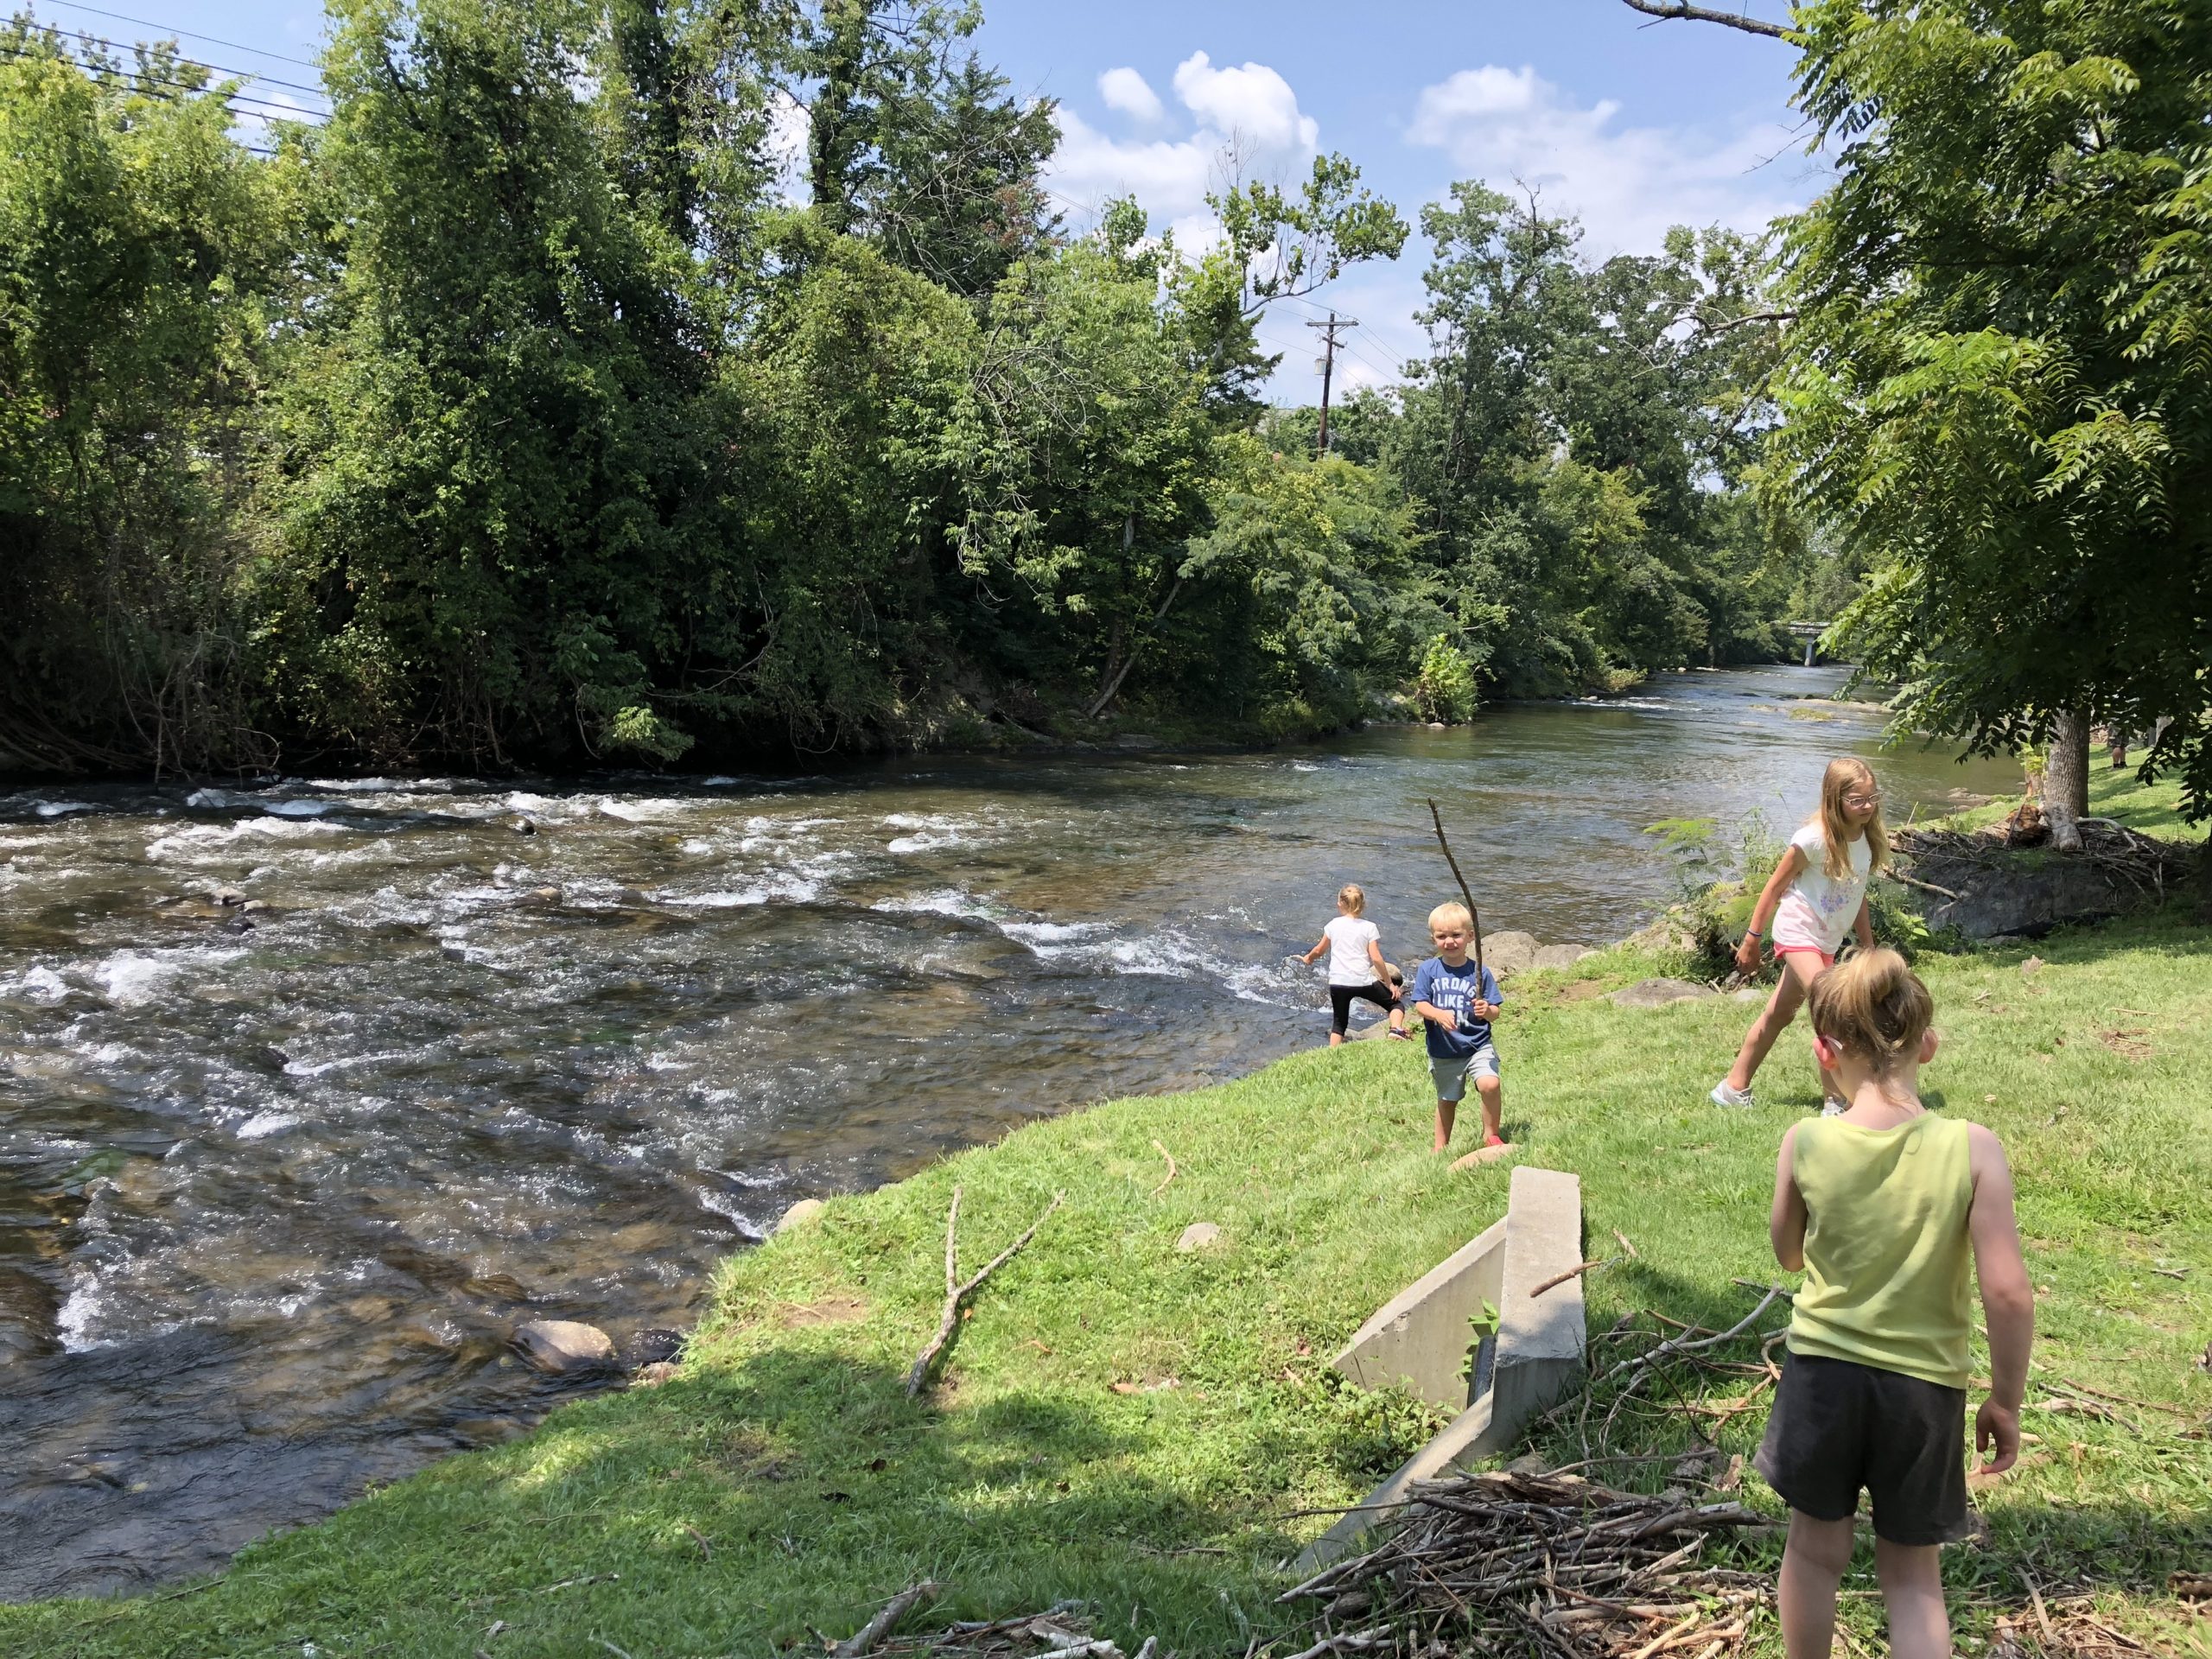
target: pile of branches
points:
(1060, 1631)
(2144, 861)
(1522, 1562)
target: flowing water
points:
(275, 1185)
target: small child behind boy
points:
(1457, 999)
(1884, 1207)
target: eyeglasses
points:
(1863, 800)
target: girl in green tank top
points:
(1890, 1212)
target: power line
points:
(236, 46)
(231, 100)
(90, 39)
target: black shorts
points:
(1837, 1427)
(1340, 1001)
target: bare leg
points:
(1913, 1589)
(1493, 1106)
(1447, 1112)
(1812, 1564)
(1336, 1039)
(1798, 971)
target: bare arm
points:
(1787, 869)
(2008, 1300)
(1315, 954)
(1864, 925)
(1785, 1223)
(1437, 1016)
(1374, 960)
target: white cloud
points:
(1626, 184)
(1249, 111)
(1252, 103)
(1131, 93)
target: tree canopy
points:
(632, 381)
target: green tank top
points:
(1887, 1255)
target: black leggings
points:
(1340, 1002)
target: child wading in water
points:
(1816, 895)
(1357, 970)
(1881, 1208)
(1458, 1001)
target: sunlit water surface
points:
(272, 1198)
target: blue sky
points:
(1630, 124)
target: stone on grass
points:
(1482, 1156)
(804, 1209)
(1559, 955)
(561, 1347)
(1657, 993)
(2031, 965)
(1198, 1235)
(652, 1376)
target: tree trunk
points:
(2066, 780)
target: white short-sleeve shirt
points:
(1817, 911)
(1349, 937)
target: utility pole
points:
(1328, 363)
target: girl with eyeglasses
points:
(1816, 896)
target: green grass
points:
(1141, 1428)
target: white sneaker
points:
(1724, 1096)
(1834, 1106)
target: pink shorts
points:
(1827, 957)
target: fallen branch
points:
(957, 1293)
(1925, 886)
(1627, 1249)
(864, 1639)
(1574, 1272)
(1679, 1345)
(1170, 1157)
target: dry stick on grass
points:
(1170, 1176)
(864, 1639)
(1575, 1272)
(1627, 1249)
(957, 1293)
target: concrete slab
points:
(1422, 1335)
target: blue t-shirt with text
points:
(1442, 986)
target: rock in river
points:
(560, 1347)
(651, 1346)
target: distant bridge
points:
(1810, 633)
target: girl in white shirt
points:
(1816, 895)
(1357, 970)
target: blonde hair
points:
(1353, 900)
(1843, 772)
(1874, 1004)
(1455, 915)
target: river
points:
(274, 1186)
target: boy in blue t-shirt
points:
(1459, 1000)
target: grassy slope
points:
(1136, 1427)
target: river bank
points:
(1142, 1428)
(285, 1174)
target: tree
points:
(1996, 386)
(142, 266)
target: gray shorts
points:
(1453, 1071)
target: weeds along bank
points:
(1146, 1429)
